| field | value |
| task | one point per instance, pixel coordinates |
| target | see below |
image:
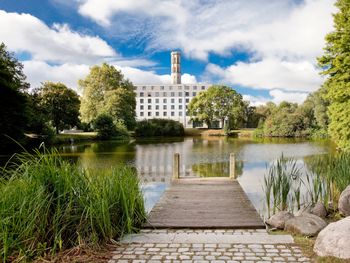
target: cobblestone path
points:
(217, 246)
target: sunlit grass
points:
(48, 204)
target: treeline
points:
(292, 120)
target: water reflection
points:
(200, 157)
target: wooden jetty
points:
(204, 203)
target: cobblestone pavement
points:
(216, 252)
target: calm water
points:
(199, 157)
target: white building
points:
(167, 101)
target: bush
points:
(159, 127)
(48, 204)
(107, 129)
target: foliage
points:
(60, 104)
(217, 103)
(105, 90)
(159, 127)
(107, 129)
(48, 204)
(336, 65)
(13, 98)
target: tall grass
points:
(48, 204)
(326, 176)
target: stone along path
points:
(202, 246)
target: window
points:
(180, 113)
(180, 107)
(157, 94)
(187, 100)
(157, 113)
(172, 94)
(141, 113)
(149, 100)
(157, 107)
(194, 94)
(164, 107)
(164, 100)
(194, 87)
(180, 87)
(149, 113)
(173, 107)
(164, 94)
(162, 87)
(149, 107)
(172, 113)
(203, 87)
(157, 100)
(180, 100)
(141, 94)
(141, 107)
(144, 88)
(151, 87)
(149, 94)
(172, 100)
(141, 100)
(164, 113)
(187, 87)
(180, 94)
(187, 94)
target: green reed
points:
(48, 204)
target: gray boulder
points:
(305, 224)
(344, 202)
(305, 209)
(319, 210)
(334, 240)
(278, 220)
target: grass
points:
(67, 138)
(48, 205)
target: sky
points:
(266, 50)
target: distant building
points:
(168, 101)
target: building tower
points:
(176, 67)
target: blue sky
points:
(266, 50)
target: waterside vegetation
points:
(48, 205)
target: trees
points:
(60, 104)
(336, 65)
(217, 103)
(107, 129)
(106, 91)
(13, 98)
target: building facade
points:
(168, 101)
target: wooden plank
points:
(201, 203)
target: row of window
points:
(164, 100)
(157, 114)
(149, 107)
(165, 94)
(171, 88)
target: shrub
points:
(159, 127)
(107, 129)
(48, 204)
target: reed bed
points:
(289, 187)
(48, 204)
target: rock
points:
(344, 202)
(278, 220)
(305, 209)
(334, 240)
(319, 210)
(305, 224)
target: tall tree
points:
(105, 90)
(336, 65)
(216, 103)
(60, 103)
(13, 98)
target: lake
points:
(199, 157)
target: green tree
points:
(13, 98)
(107, 129)
(60, 103)
(336, 65)
(105, 90)
(217, 103)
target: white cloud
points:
(26, 33)
(39, 71)
(270, 74)
(276, 96)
